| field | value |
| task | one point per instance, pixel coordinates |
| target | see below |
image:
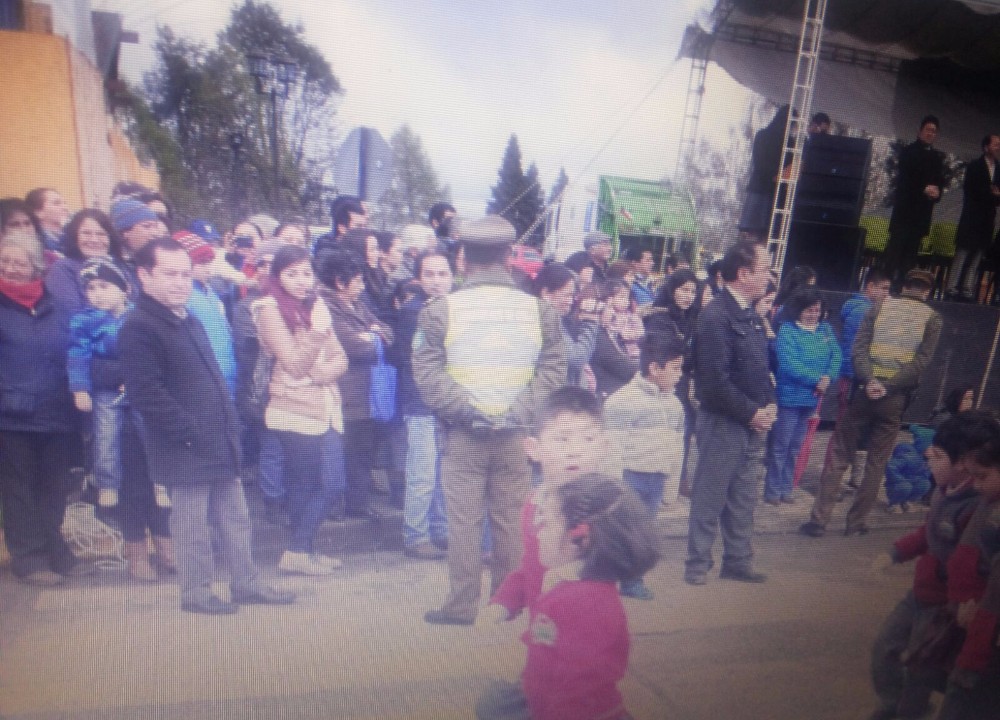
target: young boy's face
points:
(666, 376)
(567, 447)
(105, 295)
(985, 479)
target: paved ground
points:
(354, 646)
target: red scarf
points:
(296, 313)
(26, 294)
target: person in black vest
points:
(192, 432)
(980, 197)
(918, 189)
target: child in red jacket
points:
(570, 442)
(593, 533)
(974, 685)
(904, 689)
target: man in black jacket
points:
(733, 383)
(980, 197)
(918, 188)
(192, 432)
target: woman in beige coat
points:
(304, 403)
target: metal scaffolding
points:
(806, 64)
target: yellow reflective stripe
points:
(890, 353)
(491, 375)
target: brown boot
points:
(137, 555)
(163, 560)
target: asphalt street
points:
(355, 645)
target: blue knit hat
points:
(127, 213)
(103, 268)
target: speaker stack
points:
(825, 232)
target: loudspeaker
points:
(831, 187)
(834, 251)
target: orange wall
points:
(37, 130)
(54, 128)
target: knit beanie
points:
(103, 268)
(127, 213)
(197, 249)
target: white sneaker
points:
(107, 497)
(295, 563)
(326, 561)
(162, 496)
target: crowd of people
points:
(539, 424)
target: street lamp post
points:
(274, 77)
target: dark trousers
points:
(876, 420)
(307, 502)
(901, 252)
(359, 449)
(34, 472)
(901, 690)
(724, 493)
(136, 501)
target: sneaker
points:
(107, 497)
(894, 510)
(295, 563)
(787, 500)
(772, 501)
(636, 589)
(162, 496)
(327, 561)
(904, 507)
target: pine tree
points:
(511, 190)
(531, 205)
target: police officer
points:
(893, 347)
(484, 357)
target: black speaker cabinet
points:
(831, 186)
(834, 251)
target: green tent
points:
(657, 216)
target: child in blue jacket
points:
(95, 376)
(808, 357)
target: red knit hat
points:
(197, 249)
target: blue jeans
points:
(786, 440)
(648, 486)
(109, 413)
(423, 510)
(307, 506)
(271, 466)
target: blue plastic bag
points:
(382, 393)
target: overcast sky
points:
(568, 76)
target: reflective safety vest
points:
(899, 330)
(493, 342)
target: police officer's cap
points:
(489, 231)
